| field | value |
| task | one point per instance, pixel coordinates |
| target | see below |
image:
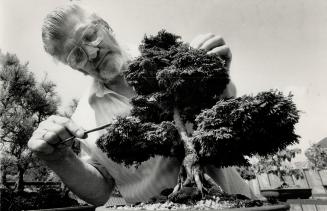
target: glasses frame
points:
(82, 43)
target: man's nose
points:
(91, 51)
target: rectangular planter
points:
(283, 194)
(281, 207)
(81, 208)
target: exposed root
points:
(193, 183)
(211, 182)
(194, 187)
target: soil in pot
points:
(223, 202)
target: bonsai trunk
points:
(3, 176)
(193, 182)
(3, 181)
(280, 176)
(20, 182)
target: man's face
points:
(91, 48)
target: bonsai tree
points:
(179, 112)
(317, 155)
(279, 164)
(246, 172)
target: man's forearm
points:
(83, 179)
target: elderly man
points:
(86, 43)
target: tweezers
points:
(86, 132)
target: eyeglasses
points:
(92, 36)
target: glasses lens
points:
(92, 35)
(77, 58)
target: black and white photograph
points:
(163, 105)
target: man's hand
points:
(216, 44)
(62, 160)
(50, 132)
(213, 44)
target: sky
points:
(276, 44)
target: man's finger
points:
(51, 137)
(58, 119)
(38, 145)
(70, 126)
(224, 52)
(198, 41)
(77, 131)
(63, 132)
(213, 42)
(52, 132)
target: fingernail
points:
(80, 133)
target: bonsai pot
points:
(280, 207)
(282, 194)
(80, 208)
(284, 207)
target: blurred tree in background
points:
(317, 155)
(24, 103)
(68, 112)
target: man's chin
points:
(111, 72)
(111, 62)
(110, 78)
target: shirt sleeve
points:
(85, 157)
(229, 180)
(84, 117)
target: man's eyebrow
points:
(74, 40)
(79, 32)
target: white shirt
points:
(100, 106)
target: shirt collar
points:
(99, 89)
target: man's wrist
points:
(64, 165)
(62, 156)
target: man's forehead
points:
(75, 33)
(74, 28)
(75, 25)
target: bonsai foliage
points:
(279, 164)
(168, 69)
(178, 111)
(246, 172)
(244, 126)
(317, 156)
(131, 142)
